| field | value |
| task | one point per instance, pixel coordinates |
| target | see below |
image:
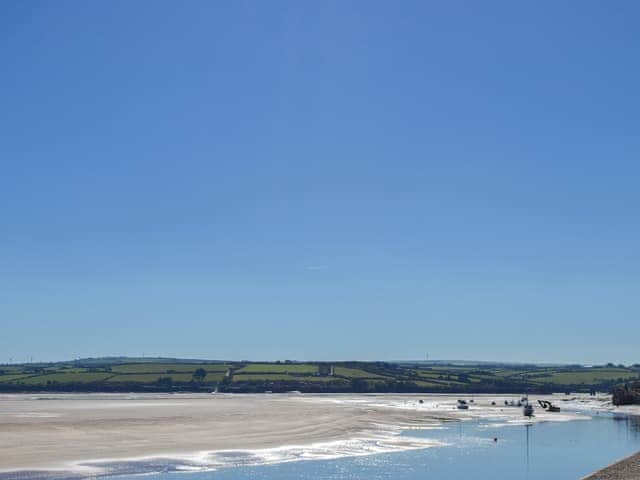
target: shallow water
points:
(542, 451)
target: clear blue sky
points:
(320, 180)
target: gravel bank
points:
(626, 469)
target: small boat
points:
(462, 405)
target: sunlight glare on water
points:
(543, 451)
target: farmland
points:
(154, 375)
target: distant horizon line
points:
(142, 359)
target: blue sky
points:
(320, 180)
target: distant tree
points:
(165, 381)
(359, 385)
(199, 374)
(627, 394)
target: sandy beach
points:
(59, 431)
(67, 432)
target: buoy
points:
(495, 439)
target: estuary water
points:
(476, 449)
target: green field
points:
(168, 368)
(276, 377)
(69, 378)
(293, 368)
(133, 374)
(355, 373)
(180, 375)
(13, 378)
(588, 377)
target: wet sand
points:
(62, 432)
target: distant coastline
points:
(121, 374)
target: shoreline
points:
(102, 434)
(627, 468)
(73, 433)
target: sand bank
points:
(74, 432)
